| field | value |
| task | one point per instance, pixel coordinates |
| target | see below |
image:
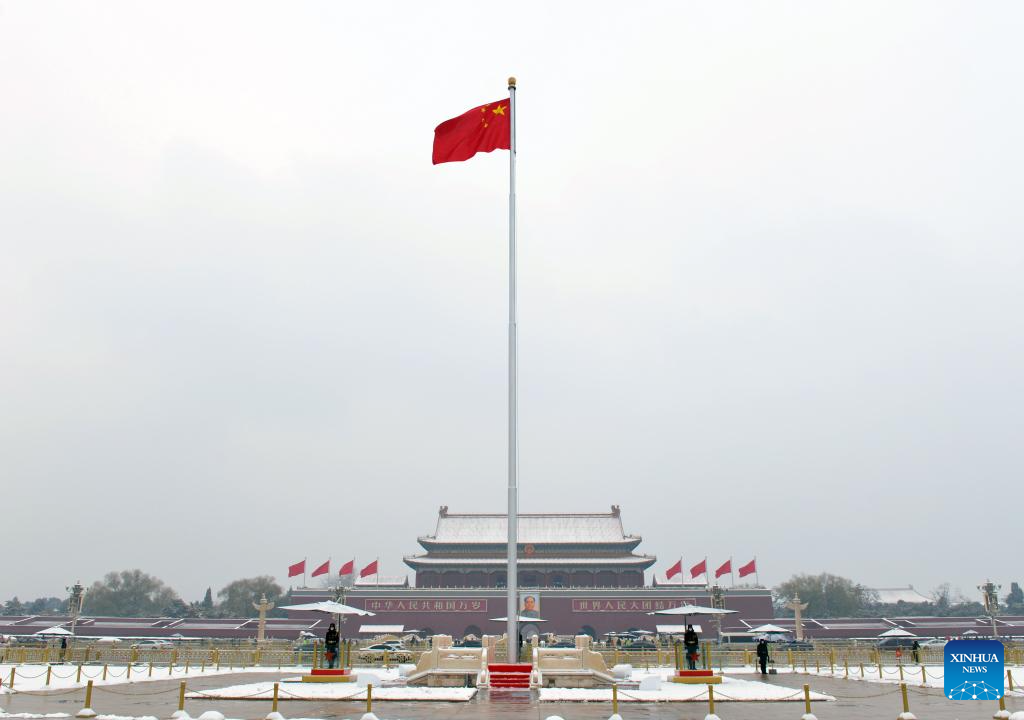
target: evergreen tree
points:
(207, 603)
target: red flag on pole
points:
(749, 569)
(370, 569)
(482, 129)
(674, 570)
(725, 569)
(700, 568)
(298, 568)
(348, 568)
(323, 569)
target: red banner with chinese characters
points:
(611, 605)
(458, 605)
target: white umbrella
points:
(328, 606)
(897, 632)
(768, 629)
(520, 619)
(691, 610)
(56, 630)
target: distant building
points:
(579, 573)
(557, 551)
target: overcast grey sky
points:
(770, 280)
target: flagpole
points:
(512, 579)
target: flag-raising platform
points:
(329, 675)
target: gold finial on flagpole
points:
(512, 82)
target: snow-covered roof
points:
(380, 629)
(383, 581)
(535, 528)
(644, 560)
(891, 596)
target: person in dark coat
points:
(762, 655)
(691, 643)
(915, 650)
(331, 646)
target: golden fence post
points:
(181, 696)
(901, 672)
(862, 671)
(906, 701)
(188, 661)
(616, 654)
(817, 667)
(10, 684)
(846, 668)
(104, 671)
(615, 699)
(807, 699)
(924, 677)
(369, 697)
(202, 666)
(880, 674)
(274, 707)
(1009, 679)
(128, 671)
(46, 655)
(387, 665)
(174, 657)
(707, 656)
(78, 674)
(88, 695)
(316, 654)
(49, 670)
(711, 699)
(792, 662)
(150, 668)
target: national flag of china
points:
(674, 570)
(298, 568)
(749, 569)
(348, 568)
(725, 569)
(482, 129)
(370, 569)
(700, 568)
(323, 569)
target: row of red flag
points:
(701, 568)
(348, 568)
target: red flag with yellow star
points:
(482, 129)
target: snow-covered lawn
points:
(333, 691)
(36, 716)
(933, 676)
(730, 689)
(62, 677)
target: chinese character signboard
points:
(445, 605)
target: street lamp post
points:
(990, 595)
(76, 596)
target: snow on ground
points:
(667, 671)
(32, 678)
(934, 675)
(729, 689)
(332, 691)
(35, 716)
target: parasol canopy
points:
(897, 632)
(330, 607)
(520, 619)
(768, 629)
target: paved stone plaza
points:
(855, 701)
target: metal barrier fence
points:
(711, 656)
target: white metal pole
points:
(512, 580)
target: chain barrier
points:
(873, 695)
(356, 694)
(134, 693)
(47, 693)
